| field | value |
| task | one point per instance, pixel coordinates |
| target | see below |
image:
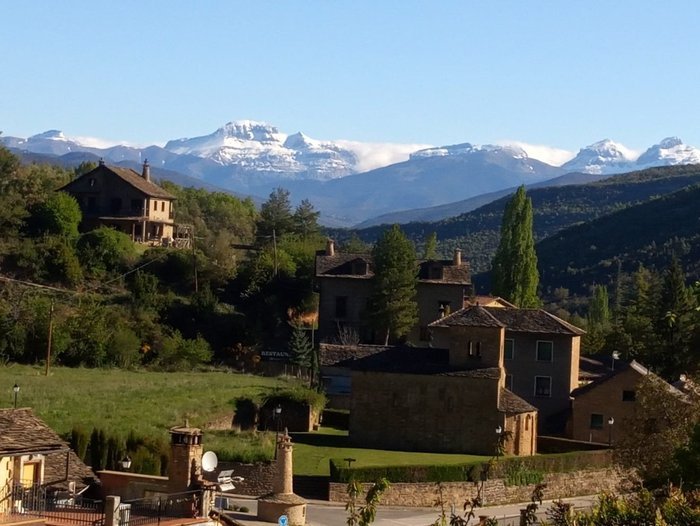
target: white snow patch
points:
(542, 152)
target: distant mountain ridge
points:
(252, 158)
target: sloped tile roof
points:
(131, 177)
(332, 355)
(513, 319)
(341, 265)
(509, 402)
(475, 316)
(22, 432)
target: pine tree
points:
(305, 219)
(393, 302)
(514, 270)
(275, 214)
(300, 347)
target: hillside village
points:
(101, 266)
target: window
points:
(543, 386)
(478, 349)
(544, 351)
(92, 181)
(509, 382)
(136, 204)
(596, 421)
(341, 306)
(155, 205)
(629, 396)
(509, 349)
(115, 205)
(162, 206)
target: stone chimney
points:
(457, 260)
(185, 465)
(330, 247)
(146, 170)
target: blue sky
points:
(558, 73)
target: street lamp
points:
(499, 433)
(611, 421)
(15, 390)
(125, 463)
(277, 415)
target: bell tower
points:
(185, 466)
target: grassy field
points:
(118, 400)
(149, 403)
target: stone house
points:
(344, 283)
(540, 353)
(33, 455)
(601, 409)
(125, 200)
(423, 399)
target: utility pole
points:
(194, 263)
(48, 345)
(274, 249)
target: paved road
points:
(322, 513)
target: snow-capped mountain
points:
(52, 142)
(602, 157)
(608, 157)
(261, 148)
(670, 151)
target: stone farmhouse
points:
(423, 399)
(540, 353)
(125, 200)
(601, 409)
(344, 283)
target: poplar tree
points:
(393, 302)
(514, 269)
(430, 249)
(599, 308)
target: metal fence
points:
(152, 510)
(38, 501)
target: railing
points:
(140, 512)
(36, 501)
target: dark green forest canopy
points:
(555, 208)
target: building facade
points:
(539, 353)
(125, 200)
(344, 283)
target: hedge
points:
(473, 471)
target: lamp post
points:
(499, 433)
(611, 421)
(15, 390)
(125, 463)
(277, 415)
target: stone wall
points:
(495, 492)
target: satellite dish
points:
(209, 461)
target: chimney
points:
(102, 161)
(146, 170)
(330, 247)
(457, 260)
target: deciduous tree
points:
(514, 269)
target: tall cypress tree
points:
(393, 302)
(514, 270)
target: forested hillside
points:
(477, 232)
(111, 302)
(650, 234)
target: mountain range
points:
(252, 158)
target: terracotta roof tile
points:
(129, 176)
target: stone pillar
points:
(284, 480)
(112, 510)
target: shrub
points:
(523, 468)
(105, 250)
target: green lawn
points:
(119, 400)
(312, 452)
